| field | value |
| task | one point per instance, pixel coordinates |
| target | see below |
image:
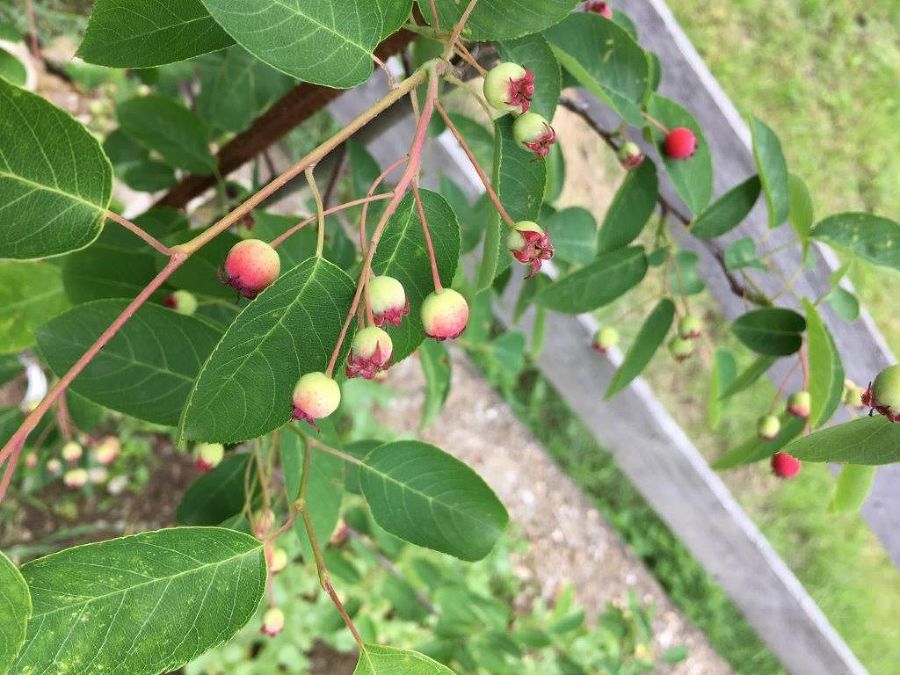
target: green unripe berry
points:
(689, 327)
(884, 394)
(768, 427)
(508, 87)
(605, 339)
(680, 349)
(798, 404)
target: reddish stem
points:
(365, 210)
(458, 29)
(428, 243)
(279, 240)
(140, 232)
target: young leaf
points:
(772, 171)
(574, 234)
(425, 496)
(435, 361)
(605, 60)
(727, 213)
(692, 177)
(852, 488)
(30, 295)
(826, 372)
(533, 52)
(501, 19)
(773, 331)
(216, 496)
(380, 660)
(653, 332)
(631, 208)
(324, 43)
(146, 370)
(844, 303)
(870, 237)
(610, 276)
(164, 125)
(800, 214)
(741, 253)
(244, 388)
(750, 375)
(121, 34)
(12, 70)
(55, 181)
(683, 276)
(108, 606)
(15, 611)
(754, 448)
(865, 440)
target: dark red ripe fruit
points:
(601, 8)
(785, 465)
(681, 143)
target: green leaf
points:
(652, 334)
(55, 181)
(870, 237)
(741, 253)
(773, 331)
(533, 52)
(244, 388)
(826, 372)
(610, 276)
(380, 660)
(295, 249)
(692, 177)
(722, 376)
(30, 295)
(402, 254)
(852, 488)
(844, 303)
(320, 41)
(216, 496)
(436, 366)
(605, 60)
(325, 492)
(773, 171)
(754, 448)
(521, 177)
(800, 215)
(122, 34)
(574, 234)
(425, 496)
(865, 440)
(11, 69)
(500, 19)
(165, 126)
(728, 211)
(146, 370)
(200, 273)
(10, 367)
(236, 87)
(479, 138)
(10, 420)
(750, 375)
(631, 208)
(15, 611)
(133, 165)
(683, 276)
(109, 606)
(471, 218)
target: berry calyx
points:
(768, 427)
(680, 349)
(370, 352)
(689, 327)
(605, 339)
(207, 456)
(785, 465)
(509, 87)
(388, 300)
(601, 8)
(183, 302)
(278, 560)
(251, 266)
(106, 452)
(445, 314)
(630, 156)
(883, 395)
(529, 244)
(315, 396)
(798, 404)
(273, 622)
(54, 466)
(71, 452)
(534, 133)
(75, 478)
(680, 143)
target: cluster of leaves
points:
(156, 600)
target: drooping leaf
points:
(755, 449)
(605, 60)
(126, 34)
(472, 218)
(652, 334)
(435, 361)
(556, 174)
(402, 254)
(244, 388)
(683, 276)
(844, 303)
(692, 177)
(425, 496)
(133, 165)
(534, 53)
(55, 181)
(216, 496)
(748, 376)
(631, 208)
(610, 276)
(317, 41)
(500, 19)
(741, 253)
(826, 372)
(865, 440)
(164, 125)
(773, 331)
(872, 238)
(30, 295)
(380, 660)
(521, 178)
(109, 605)
(722, 376)
(15, 611)
(146, 370)
(574, 234)
(800, 215)
(11, 69)
(772, 171)
(728, 211)
(852, 488)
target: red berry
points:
(785, 465)
(601, 8)
(680, 143)
(251, 266)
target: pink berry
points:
(445, 314)
(680, 143)
(31, 460)
(601, 8)
(71, 452)
(251, 266)
(509, 87)
(75, 478)
(388, 300)
(798, 404)
(278, 560)
(54, 466)
(315, 396)
(370, 353)
(529, 244)
(107, 451)
(534, 133)
(273, 622)
(785, 465)
(207, 456)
